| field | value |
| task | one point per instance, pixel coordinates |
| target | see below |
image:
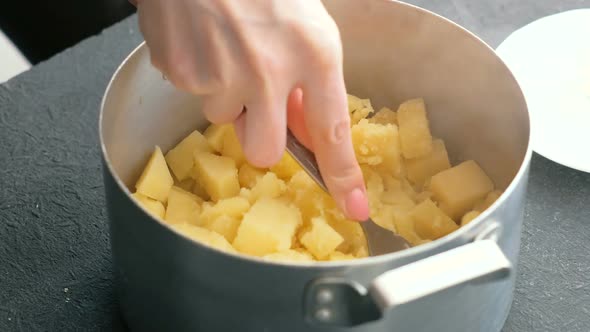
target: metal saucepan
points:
(461, 282)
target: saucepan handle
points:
(431, 275)
(339, 302)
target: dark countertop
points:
(55, 266)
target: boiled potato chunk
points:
(308, 196)
(269, 185)
(198, 190)
(286, 167)
(248, 175)
(180, 158)
(218, 175)
(321, 240)
(376, 144)
(355, 103)
(420, 169)
(414, 130)
(225, 225)
(232, 147)
(384, 216)
(156, 208)
(351, 232)
(267, 228)
(155, 181)
(384, 116)
(290, 255)
(457, 189)
(430, 222)
(215, 135)
(187, 184)
(234, 207)
(469, 216)
(204, 236)
(490, 199)
(358, 108)
(404, 226)
(183, 207)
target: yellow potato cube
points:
(422, 196)
(187, 184)
(375, 190)
(232, 147)
(469, 216)
(234, 207)
(204, 236)
(490, 199)
(384, 116)
(217, 174)
(286, 167)
(430, 222)
(358, 108)
(198, 190)
(351, 231)
(180, 158)
(420, 169)
(246, 193)
(321, 240)
(404, 226)
(155, 180)
(355, 103)
(215, 135)
(359, 115)
(156, 208)
(384, 216)
(225, 225)
(376, 144)
(409, 189)
(414, 130)
(268, 227)
(248, 175)
(397, 198)
(390, 183)
(308, 196)
(289, 255)
(457, 189)
(183, 207)
(339, 256)
(362, 252)
(269, 185)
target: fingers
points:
(328, 123)
(262, 129)
(190, 61)
(223, 107)
(296, 119)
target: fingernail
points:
(356, 205)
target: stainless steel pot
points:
(462, 282)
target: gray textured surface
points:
(55, 272)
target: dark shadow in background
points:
(42, 28)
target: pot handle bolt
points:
(324, 296)
(338, 302)
(323, 315)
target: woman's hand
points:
(263, 65)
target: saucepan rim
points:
(358, 262)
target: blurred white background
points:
(12, 62)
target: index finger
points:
(328, 124)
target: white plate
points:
(550, 59)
